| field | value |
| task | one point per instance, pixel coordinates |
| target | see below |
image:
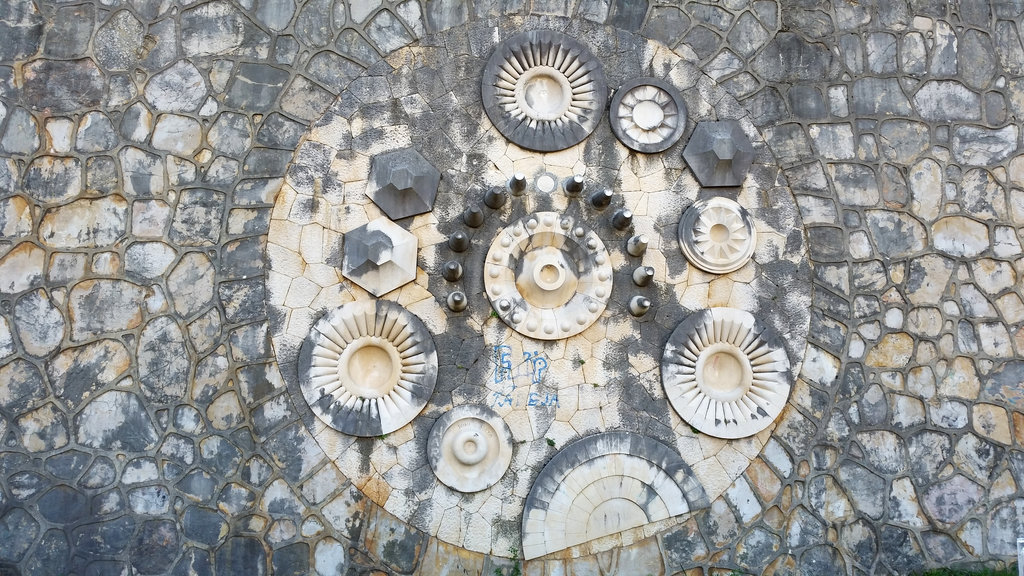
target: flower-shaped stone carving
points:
(547, 277)
(380, 256)
(717, 235)
(543, 90)
(719, 153)
(469, 448)
(368, 368)
(648, 115)
(725, 373)
(403, 183)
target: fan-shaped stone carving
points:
(380, 256)
(717, 235)
(648, 115)
(469, 448)
(403, 183)
(725, 374)
(547, 277)
(604, 484)
(367, 368)
(719, 153)
(543, 90)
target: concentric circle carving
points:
(648, 115)
(717, 235)
(547, 277)
(469, 448)
(543, 90)
(367, 368)
(725, 373)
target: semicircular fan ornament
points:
(717, 235)
(725, 373)
(604, 484)
(368, 367)
(543, 90)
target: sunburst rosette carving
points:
(368, 368)
(725, 373)
(543, 90)
(648, 115)
(547, 277)
(717, 235)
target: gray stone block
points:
(719, 153)
(404, 183)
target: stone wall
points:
(165, 164)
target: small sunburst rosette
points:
(469, 448)
(647, 115)
(717, 235)
(725, 373)
(543, 90)
(548, 277)
(368, 367)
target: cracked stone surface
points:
(176, 180)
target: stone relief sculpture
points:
(724, 373)
(719, 153)
(543, 90)
(380, 256)
(647, 115)
(717, 235)
(403, 183)
(367, 368)
(547, 277)
(604, 484)
(469, 448)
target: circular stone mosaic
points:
(469, 448)
(368, 367)
(717, 235)
(648, 115)
(543, 90)
(547, 277)
(725, 374)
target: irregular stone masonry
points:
(149, 149)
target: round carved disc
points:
(367, 368)
(725, 373)
(546, 277)
(469, 448)
(543, 90)
(647, 115)
(717, 235)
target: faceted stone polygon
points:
(380, 256)
(403, 183)
(719, 153)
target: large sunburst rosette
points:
(368, 367)
(725, 373)
(717, 235)
(547, 277)
(543, 90)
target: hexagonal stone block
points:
(719, 153)
(380, 256)
(403, 183)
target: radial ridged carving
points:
(725, 373)
(543, 90)
(469, 448)
(367, 368)
(647, 115)
(717, 235)
(546, 277)
(604, 484)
